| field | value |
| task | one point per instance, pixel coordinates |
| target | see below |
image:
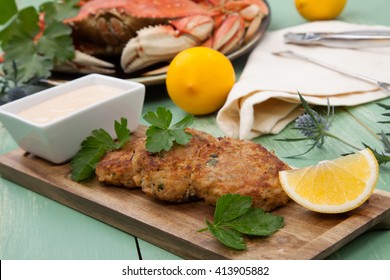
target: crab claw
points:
(85, 64)
(236, 40)
(198, 26)
(229, 34)
(161, 43)
(253, 15)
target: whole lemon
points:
(320, 9)
(199, 80)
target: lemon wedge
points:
(333, 186)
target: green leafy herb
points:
(316, 128)
(37, 44)
(234, 216)
(8, 9)
(161, 135)
(95, 146)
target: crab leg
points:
(227, 31)
(237, 26)
(84, 63)
(236, 40)
(253, 15)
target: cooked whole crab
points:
(145, 32)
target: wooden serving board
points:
(306, 235)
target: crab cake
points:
(239, 167)
(167, 175)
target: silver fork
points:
(383, 85)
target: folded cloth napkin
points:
(264, 100)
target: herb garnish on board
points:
(234, 217)
(161, 135)
(95, 146)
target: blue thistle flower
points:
(315, 127)
(305, 124)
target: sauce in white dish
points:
(67, 103)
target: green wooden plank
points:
(284, 13)
(373, 245)
(40, 228)
(34, 227)
(152, 252)
(370, 115)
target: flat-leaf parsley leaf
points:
(161, 135)
(95, 146)
(234, 216)
(36, 39)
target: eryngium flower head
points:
(309, 126)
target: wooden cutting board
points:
(306, 235)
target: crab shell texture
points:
(147, 32)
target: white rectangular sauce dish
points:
(53, 123)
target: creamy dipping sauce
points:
(69, 102)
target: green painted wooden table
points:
(34, 227)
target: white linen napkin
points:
(264, 100)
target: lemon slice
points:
(333, 186)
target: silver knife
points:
(381, 84)
(350, 39)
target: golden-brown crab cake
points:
(239, 167)
(167, 175)
(116, 167)
(205, 168)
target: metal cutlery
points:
(383, 85)
(350, 39)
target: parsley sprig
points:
(36, 39)
(95, 146)
(234, 216)
(161, 135)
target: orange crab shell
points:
(141, 9)
(114, 23)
